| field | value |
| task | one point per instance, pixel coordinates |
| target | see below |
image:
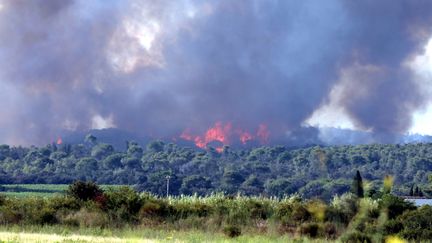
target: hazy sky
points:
(163, 67)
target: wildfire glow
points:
(245, 137)
(225, 134)
(219, 149)
(263, 133)
(218, 132)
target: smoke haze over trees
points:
(160, 68)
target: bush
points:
(329, 231)
(392, 227)
(309, 229)
(417, 235)
(10, 216)
(182, 210)
(356, 237)
(257, 209)
(87, 218)
(395, 205)
(84, 190)
(154, 208)
(2, 200)
(292, 213)
(122, 204)
(343, 208)
(64, 203)
(46, 216)
(417, 224)
(300, 213)
(232, 231)
(334, 215)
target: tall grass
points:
(124, 213)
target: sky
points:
(276, 71)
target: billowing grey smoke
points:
(159, 67)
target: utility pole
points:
(167, 187)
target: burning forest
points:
(224, 72)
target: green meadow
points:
(39, 190)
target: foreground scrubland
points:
(123, 213)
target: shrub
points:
(87, 218)
(300, 213)
(395, 205)
(84, 190)
(185, 209)
(154, 208)
(64, 203)
(309, 229)
(343, 208)
(417, 224)
(123, 203)
(232, 231)
(257, 210)
(46, 216)
(292, 213)
(9, 216)
(334, 215)
(317, 209)
(417, 235)
(2, 200)
(392, 227)
(329, 231)
(356, 237)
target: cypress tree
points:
(357, 185)
(411, 192)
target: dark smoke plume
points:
(157, 68)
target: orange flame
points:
(59, 141)
(263, 133)
(244, 137)
(218, 132)
(219, 149)
(222, 133)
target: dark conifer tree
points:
(357, 186)
(421, 193)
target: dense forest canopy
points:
(315, 171)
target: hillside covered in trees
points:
(271, 171)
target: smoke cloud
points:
(158, 68)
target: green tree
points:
(195, 184)
(90, 139)
(279, 187)
(84, 190)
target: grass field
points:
(62, 234)
(41, 190)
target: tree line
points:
(312, 172)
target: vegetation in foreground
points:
(352, 217)
(123, 235)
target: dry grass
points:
(37, 237)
